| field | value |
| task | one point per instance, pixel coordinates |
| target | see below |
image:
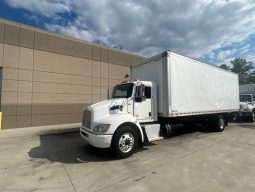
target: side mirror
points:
(115, 107)
(141, 90)
(139, 96)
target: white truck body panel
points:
(187, 86)
(153, 71)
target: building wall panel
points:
(12, 34)
(49, 79)
(24, 103)
(96, 53)
(27, 37)
(26, 58)
(1, 54)
(57, 108)
(39, 76)
(9, 121)
(11, 56)
(39, 87)
(25, 86)
(50, 119)
(104, 54)
(10, 73)
(9, 103)
(1, 32)
(24, 121)
(25, 75)
(118, 72)
(9, 85)
(54, 98)
(104, 70)
(62, 45)
(51, 62)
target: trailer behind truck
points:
(164, 90)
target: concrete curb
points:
(44, 130)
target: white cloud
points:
(225, 54)
(71, 30)
(34, 18)
(48, 8)
(251, 57)
(193, 28)
(246, 48)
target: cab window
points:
(147, 92)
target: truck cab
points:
(247, 106)
(118, 122)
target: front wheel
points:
(124, 142)
(252, 117)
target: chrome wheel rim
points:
(126, 142)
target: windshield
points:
(122, 91)
(245, 98)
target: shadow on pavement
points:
(70, 148)
(247, 125)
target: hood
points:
(109, 103)
(246, 106)
(103, 108)
(243, 104)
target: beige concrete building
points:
(48, 78)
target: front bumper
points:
(245, 113)
(96, 140)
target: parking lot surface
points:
(191, 160)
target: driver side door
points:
(143, 107)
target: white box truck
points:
(164, 90)
(247, 101)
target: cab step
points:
(151, 132)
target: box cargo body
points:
(187, 86)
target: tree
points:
(224, 66)
(245, 70)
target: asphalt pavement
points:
(196, 159)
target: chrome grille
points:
(86, 119)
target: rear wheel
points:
(167, 130)
(217, 123)
(124, 142)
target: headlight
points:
(101, 128)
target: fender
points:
(116, 120)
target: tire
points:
(234, 117)
(124, 143)
(166, 130)
(252, 117)
(217, 123)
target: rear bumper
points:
(96, 140)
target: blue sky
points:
(214, 31)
